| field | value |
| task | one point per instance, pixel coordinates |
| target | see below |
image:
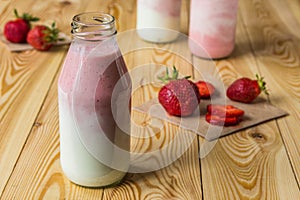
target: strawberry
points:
(223, 115)
(245, 90)
(41, 37)
(179, 97)
(224, 110)
(222, 121)
(206, 89)
(16, 31)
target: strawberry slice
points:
(222, 121)
(224, 110)
(223, 115)
(206, 89)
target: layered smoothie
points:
(89, 133)
(212, 27)
(158, 21)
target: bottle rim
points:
(93, 26)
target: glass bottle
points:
(94, 92)
(212, 27)
(158, 21)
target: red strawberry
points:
(224, 110)
(16, 31)
(179, 97)
(206, 89)
(223, 115)
(246, 90)
(41, 37)
(222, 121)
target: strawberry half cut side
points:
(222, 121)
(206, 89)
(224, 110)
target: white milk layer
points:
(154, 26)
(77, 163)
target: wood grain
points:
(261, 162)
(167, 183)
(30, 94)
(253, 168)
(39, 165)
(277, 57)
(249, 165)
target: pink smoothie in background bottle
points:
(158, 20)
(90, 88)
(212, 27)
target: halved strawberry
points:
(224, 110)
(223, 115)
(222, 121)
(206, 89)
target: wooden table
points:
(261, 162)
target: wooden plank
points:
(245, 165)
(294, 8)
(180, 180)
(278, 56)
(3, 10)
(39, 166)
(185, 16)
(24, 91)
(248, 164)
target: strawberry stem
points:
(16, 13)
(175, 73)
(52, 34)
(262, 84)
(27, 17)
(166, 78)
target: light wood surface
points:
(261, 162)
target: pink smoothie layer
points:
(209, 46)
(97, 79)
(212, 27)
(163, 7)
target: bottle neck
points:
(93, 26)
